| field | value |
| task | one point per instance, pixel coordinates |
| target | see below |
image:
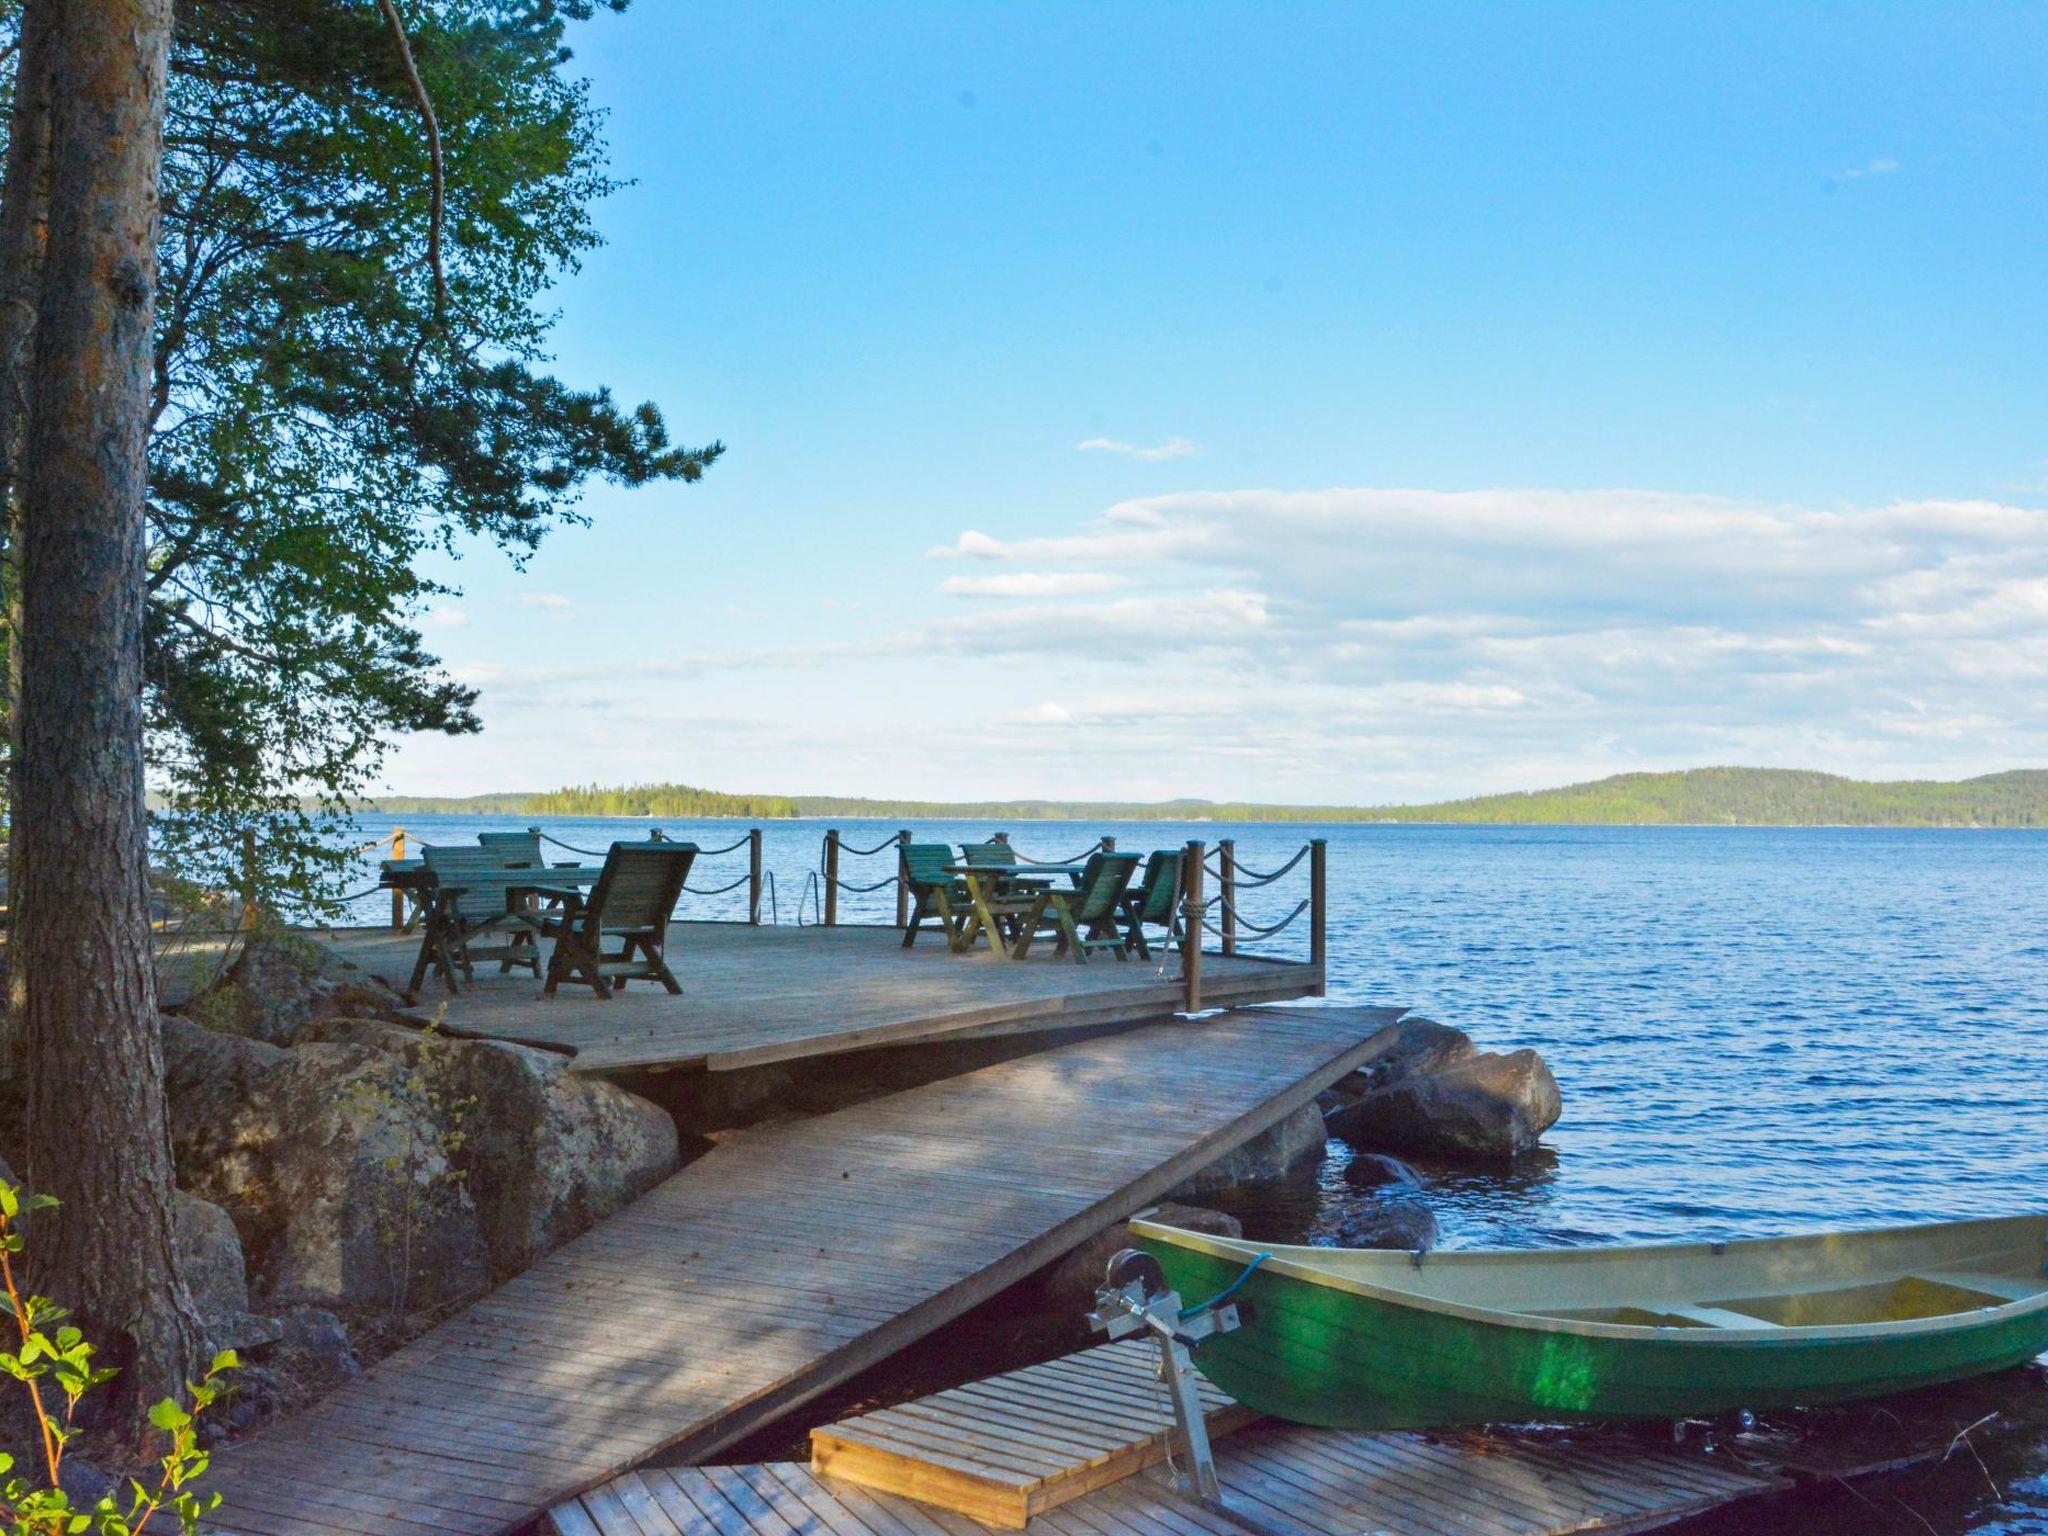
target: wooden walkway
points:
(1097, 1413)
(781, 1263)
(757, 995)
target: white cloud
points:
(1881, 166)
(1034, 584)
(1175, 447)
(1375, 644)
(554, 602)
(444, 616)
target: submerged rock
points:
(1402, 1222)
(1487, 1108)
(1374, 1170)
(1291, 1149)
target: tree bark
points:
(24, 231)
(97, 1136)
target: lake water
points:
(1755, 1031)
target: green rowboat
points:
(1383, 1339)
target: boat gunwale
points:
(1777, 1335)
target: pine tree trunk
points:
(24, 231)
(97, 1136)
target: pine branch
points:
(438, 187)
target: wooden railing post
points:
(902, 879)
(1109, 845)
(832, 878)
(1191, 916)
(398, 894)
(1319, 910)
(754, 876)
(1226, 891)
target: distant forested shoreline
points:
(1760, 797)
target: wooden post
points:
(754, 876)
(832, 878)
(1191, 917)
(397, 895)
(1109, 845)
(1226, 882)
(1319, 910)
(902, 879)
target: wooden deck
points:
(781, 1263)
(1099, 1412)
(757, 995)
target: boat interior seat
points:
(2005, 1287)
(1718, 1317)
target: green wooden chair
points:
(1156, 902)
(457, 916)
(633, 900)
(989, 855)
(933, 892)
(1084, 919)
(520, 850)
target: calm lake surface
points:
(1755, 1031)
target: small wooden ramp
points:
(776, 1266)
(1021, 1443)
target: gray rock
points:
(281, 983)
(1066, 1288)
(1419, 1048)
(1290, 1149)
(336, 1165)
(546, 1152)
(1486, 1108)
(1396, 1223)
(210, 1254)
(315, 1348)
(1374, 1170)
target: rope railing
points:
(1239, 926)
(1025, 858)
(719, 890)
(1251, 879)
(886, 843)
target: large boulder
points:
(1484, 1108)
(1066, 1288)
(1291, 1149)
(336, 1164)
(546, 1152)
(1419, 1047)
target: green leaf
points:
(226, 1360)
(10, 1200)
(168, 1416)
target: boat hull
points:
(1314, 1355)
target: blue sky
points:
(1354, 403)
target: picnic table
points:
(993, 892)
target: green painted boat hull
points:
(1312, 1354)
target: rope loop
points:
(1253, 929)
(1025, 858)
(1251, 879)
(719, 890)
(886, 843)
(712, 853)
(588, 853)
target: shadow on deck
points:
(758, 995)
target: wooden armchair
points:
(1155, 902)
(933, 891)
(632, 902)
(1084, 919)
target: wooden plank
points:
(758, 1277)
(756, 995)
